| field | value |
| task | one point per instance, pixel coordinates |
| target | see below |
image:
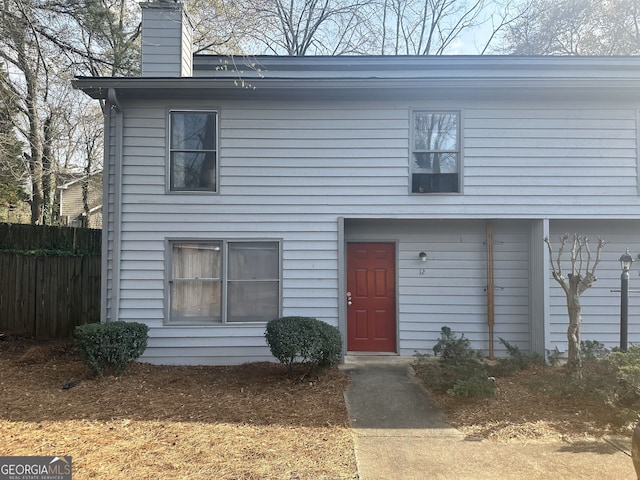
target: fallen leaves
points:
(246, 422)
(525, 409)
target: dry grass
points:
(528, 407)
(153, 422)
(247, 422)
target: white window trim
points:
(459, 151)
(168, 151)
(224, 282)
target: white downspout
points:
(117, 205)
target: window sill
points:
(191, 192)
(196, 324)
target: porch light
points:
(423, 256)
(625, 261)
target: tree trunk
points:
(574, 361)
(35, 142)
(47, 173)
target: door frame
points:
(342, 282)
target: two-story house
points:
(383, 195)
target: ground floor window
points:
(222, 281)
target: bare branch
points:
(601, 244)
(556, 268)
(574, 250)
(563, 241)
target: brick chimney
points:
(167, 50)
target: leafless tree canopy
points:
(373, 27)
(575, 27)
(42, 45)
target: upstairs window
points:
(435, 162)
(193, 152)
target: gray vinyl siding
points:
(600, 306)
(538, 285)
(587, 156)
(289, 171)
(166, 46)
(450, 288)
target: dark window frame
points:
(174, 151)
(426, 181)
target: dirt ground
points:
(527, 408)
(248, 422)
(152, 422)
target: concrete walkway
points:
(401, 434)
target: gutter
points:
(606, 88)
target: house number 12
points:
(422, 272)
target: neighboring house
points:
(71, 201)
(241, 190)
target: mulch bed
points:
(527, 408)
(252, 421)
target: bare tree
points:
(45, 44)
(426, 27)
(22, 50)
(338, 27)
(11, 168)
(575, 27)
(302, 27)
(77, 141)
(96, 37)
(221, 27)
(581, 276)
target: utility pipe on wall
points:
(117, 206)
(490, 286)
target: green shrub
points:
(110, 346)
(613, 381)
(460, 371)
(516, 361)
(474, 387)
(553, 357)
(593, 350)
(625, 367)
(453, 349)
(504, 367)
(304, 340)
(468, 378)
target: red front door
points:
(371, 297)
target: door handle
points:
(349, 302)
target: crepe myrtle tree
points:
(581, 276)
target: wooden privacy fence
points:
(46, 297)
(17, 237)
(49, 279)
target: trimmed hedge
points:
(305, 340)
(111, 345)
